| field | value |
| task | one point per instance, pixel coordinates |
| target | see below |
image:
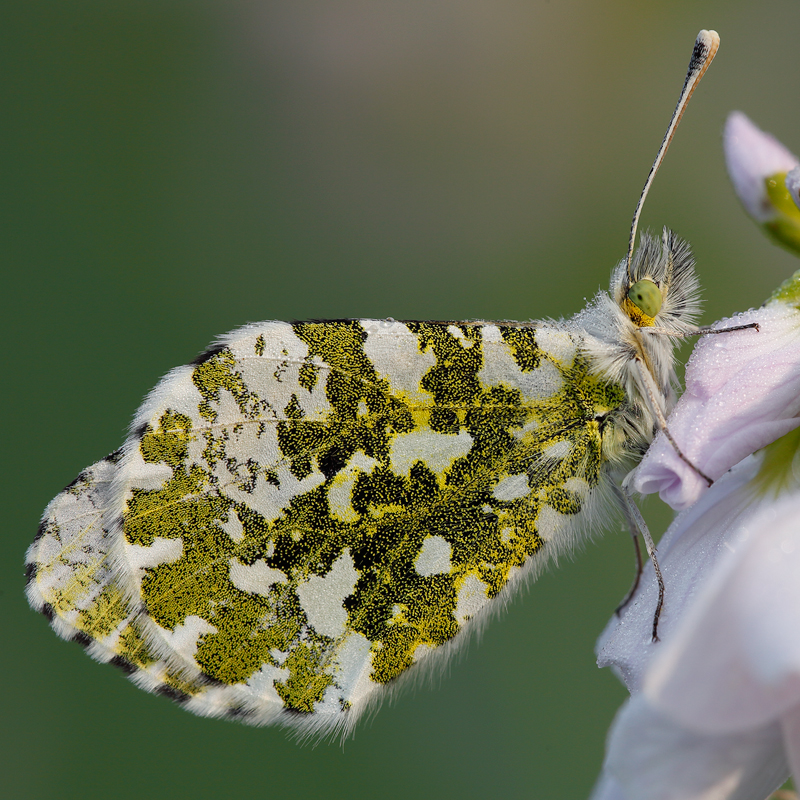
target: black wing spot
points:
(240, 713)
(73, 483)
(83, 639)
(122, 663)
(208, 353)
(115, 457)
(42, 529)
(173, 694)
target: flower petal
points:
(742, 392)
(607, 788)
(689, 552)
(650, 757)
(733, 662)
(753, 156)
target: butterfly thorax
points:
(631, 348)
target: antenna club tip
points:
(709, 40)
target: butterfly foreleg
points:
(638, 527)
(647, 384)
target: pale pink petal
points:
(730, 632)
(733, 662)
(751, 156)
(742, 392)
(689, 552)
(607, 788)
(650, 757)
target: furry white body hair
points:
(624, 352)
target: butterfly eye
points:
(646, 296)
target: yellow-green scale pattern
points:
(395, 607)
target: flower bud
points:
(758, 165)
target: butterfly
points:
(309, 513)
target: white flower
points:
(758, 165)
(715, 706)
(742, 392)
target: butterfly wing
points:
(309, 510)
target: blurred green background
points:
(171, 170)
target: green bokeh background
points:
(171, 170)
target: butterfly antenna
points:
(705, 48)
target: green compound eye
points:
(646, 296)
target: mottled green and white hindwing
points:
(69, 571)
(309, 510)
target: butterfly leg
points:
(637, 577)
(705, 331)
(647, 384)
(700, 330)
(638, 527)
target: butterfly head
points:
(661, 288)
